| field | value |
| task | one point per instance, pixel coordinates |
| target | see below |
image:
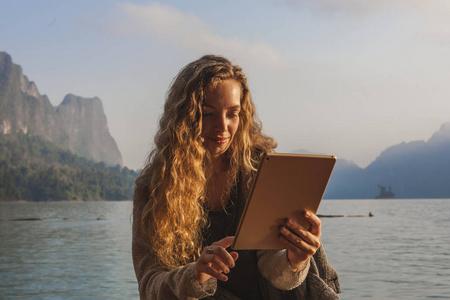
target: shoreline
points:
(53, 201)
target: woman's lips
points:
(219, 140)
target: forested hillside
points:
(36, 170)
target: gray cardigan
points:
(318, 279)
(321, 283)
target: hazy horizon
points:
(346, 78)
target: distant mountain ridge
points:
(419, 169)
(77, 124)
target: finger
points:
(218, 264)
(300, 231)
(309, 244)
(224, 255)
(298, 246)
(225, 242)
(212, 272)
(220, 252)
(214, 259)
(292, 248)
(316, 224)
(303, 233)
(234, 255)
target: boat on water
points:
(385, 194)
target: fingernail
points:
(308, 214)
(289, 222)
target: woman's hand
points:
(301, 242)
(215, 260)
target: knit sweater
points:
(275, 275)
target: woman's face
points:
(221, 116)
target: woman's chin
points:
(217, 152)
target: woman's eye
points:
(207, 114)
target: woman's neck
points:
(217, 189)
(217, 165)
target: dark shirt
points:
(243, 278)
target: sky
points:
(348, 78)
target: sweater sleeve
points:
(157, 282)
(274, 266)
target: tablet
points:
(285, 186)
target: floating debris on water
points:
(346, 216)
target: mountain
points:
(85, 123)
(344, 180)
(419, 169)
(77, 124)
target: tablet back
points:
(285, 186)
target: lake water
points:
(82, 250)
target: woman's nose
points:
(221, 123)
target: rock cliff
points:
(77, 124)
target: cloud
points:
(188, 31)
(367, 7)
(432, 16)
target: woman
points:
(189, 198)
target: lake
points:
(82, 250)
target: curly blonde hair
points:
(175, 176)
